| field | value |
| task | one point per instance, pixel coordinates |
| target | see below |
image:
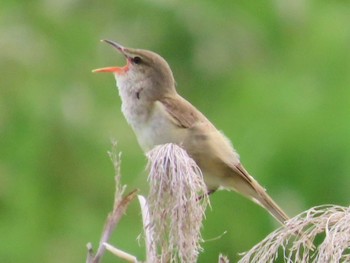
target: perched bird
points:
(159, 115)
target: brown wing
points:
(184, 113)
(215, 155)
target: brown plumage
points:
(158, 114)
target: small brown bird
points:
(159, 115)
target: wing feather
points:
(185, 115)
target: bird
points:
(158, 115)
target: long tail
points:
(245, 184)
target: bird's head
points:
(144, 70)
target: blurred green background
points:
(273, 75)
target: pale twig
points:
(121, 254)
(112, 221)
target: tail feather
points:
(267, 202)
(245, 184)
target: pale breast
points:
(154, 126)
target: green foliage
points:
(274, 76)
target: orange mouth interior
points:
(116, 70)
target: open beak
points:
(116, 70)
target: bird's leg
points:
(211, 191)
(199, 198)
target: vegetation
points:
(273, 75)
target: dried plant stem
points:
(173, 214)
(112, 221)
(120, 205)
(151, 250)
(121, 254)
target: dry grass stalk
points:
(120, 205)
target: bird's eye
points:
(137, 60)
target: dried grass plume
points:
(328, 223)
(177, 203)
(174, 210)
